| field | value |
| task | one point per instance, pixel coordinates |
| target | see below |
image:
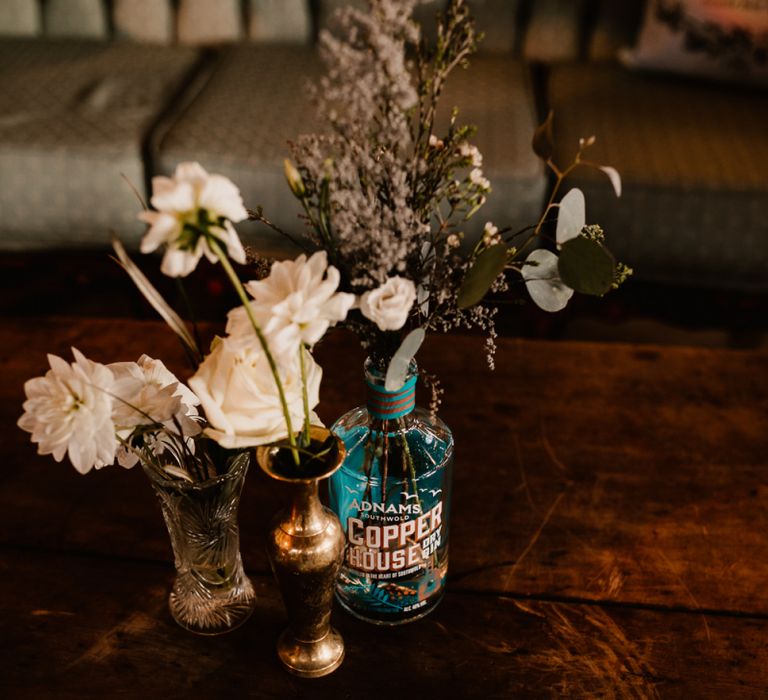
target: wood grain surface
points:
(609, 535)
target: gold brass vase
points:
(305, 545)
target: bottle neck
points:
(385, 405)
(388, 405)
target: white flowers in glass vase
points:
(147, 391)
(259, 383)
(95, 413)
(69, 412)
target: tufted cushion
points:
(495, 95)
(280, 20)
(209, 21)
(20, 18)
(554, 31)
(86, 19)
(144, 20)
(73, 117)
(498, 21)
(694, 160)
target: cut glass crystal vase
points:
(211, 593)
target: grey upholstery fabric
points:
(694, 161)
(144, 20)
(554, 31)
(85, 19)
(73, 116)
(498, 21)
(280, 20)
(20, 18)
(256, 101)
(495, 95)
(209, 21)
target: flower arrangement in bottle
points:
(388, 198)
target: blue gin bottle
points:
(392, 495)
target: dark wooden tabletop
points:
(609, 536)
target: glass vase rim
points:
(238, 465)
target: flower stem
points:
(238, 285)
(305, 442)
(560, 176)
(409, 461)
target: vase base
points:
(210, 613)
(311, 659)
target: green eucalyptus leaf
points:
(543, 281)
(543, 138)
(586, 266)
(398, 365)
(488, 266)
(571, 216)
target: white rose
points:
(388, 306)
(239, 395)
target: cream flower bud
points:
(294, 179)
(472, 153)
(476, 177)
(491, 234)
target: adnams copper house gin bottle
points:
(392, 496)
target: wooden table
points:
(609, 537)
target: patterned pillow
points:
(723, 39)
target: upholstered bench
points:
(91, 90)
(95, 91)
